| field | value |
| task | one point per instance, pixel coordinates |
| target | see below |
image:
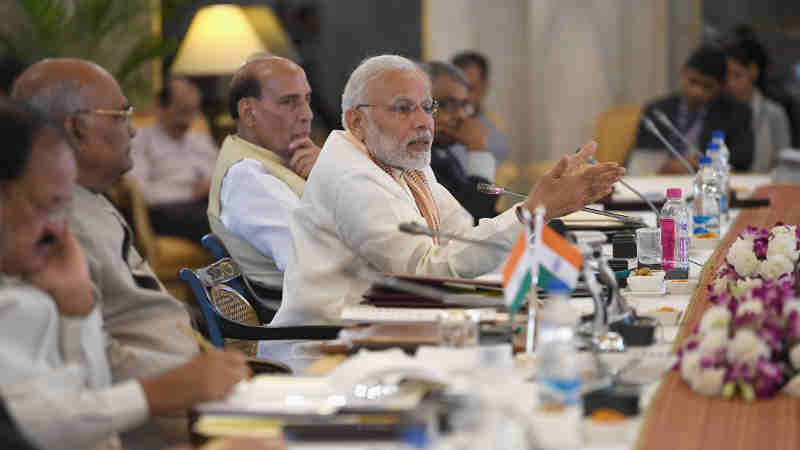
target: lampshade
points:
(219, 40)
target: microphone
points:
(653, 129)
(415, 228)
(493, 189)
(661, 117)
(593, 160)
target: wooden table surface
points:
(679, 418)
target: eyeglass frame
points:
(413, 108)
(126, 113)
(465, 105)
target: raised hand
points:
(304, 154)
(573, 184)
(209, 376)
(66, 276)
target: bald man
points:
(141, 320)
(173, 165)
(261, 170)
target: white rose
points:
(748, 284)
(793, 386)
(716, 339)
(783, 229)
(742, 289)
(774, 267)
(789, 306)
(750, 306)
(690, 366)
(715, 317)
(747, 347)
(708, 382)
(742, 258)
(794, 357)
(783, 244)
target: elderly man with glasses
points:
(141, 320)
(376, 175)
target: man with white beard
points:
(376, 175)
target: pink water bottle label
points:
(668, 235)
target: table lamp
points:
(219, 40)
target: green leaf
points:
(748, 393)
(729, 389)
(145, 50)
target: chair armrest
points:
(235, 330)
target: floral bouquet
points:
(748, 341)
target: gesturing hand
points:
(573, 184)
(66, 276)
(304, 154)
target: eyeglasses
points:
(406, 109)
(122, 113)
(453, 106)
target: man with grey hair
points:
(141, 320)
(376, 175)
(261, 170)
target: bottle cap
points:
(717, 134)
(705, 160)
(713, 147)
(674, 193)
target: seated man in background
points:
(141, 319)
(455, 127)
(770, 123)
(54, 371)
(698, 109)
(475, 67)
(173, 165)
(261, 170)
(376, 175)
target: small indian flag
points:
(559, 261)
(517, 277)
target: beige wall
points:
(557, 64)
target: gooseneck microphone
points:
(415, 228)
(593, 160)
(661, 117)
(653, 129)
(493, 189)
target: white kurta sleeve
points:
(255, 206)
(56, 411)
(58, 392)
(367, 215)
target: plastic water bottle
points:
(718, 137)
(675, 218)
(721, 162)
(557, 374)
(706, 201)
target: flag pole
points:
(534, 268)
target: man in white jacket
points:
(376, 175)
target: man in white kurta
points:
(375, 176)
(72, 244)
(261, 170)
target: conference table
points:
(672, 416)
